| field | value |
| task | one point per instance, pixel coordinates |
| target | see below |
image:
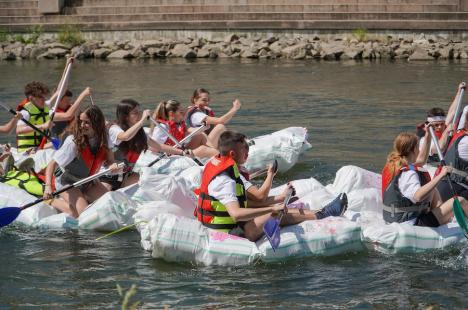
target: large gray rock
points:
(446, 53)
(157, 52)
(298, 51)
(277, 46)
(53, 53)
(203, 53)
(81, 52)
(332, 51)
(36, 51)
(7, 55)
(420, 54)
(249, 53)
(195, 43)
(190, 54)
(352, 53)
(180, 50)
(231, 37)
(152, 44)
(102, 52)
(57, 45)
(120, 54)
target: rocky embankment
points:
(316, 47)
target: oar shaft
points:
(76, 184)
(436, 143)
(458, 109)
(166, 132)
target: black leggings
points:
(446, 193)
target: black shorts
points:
(427, 219)
(238, 230)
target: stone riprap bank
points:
(330, 47)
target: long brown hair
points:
(139, 143)
(403, 145)
(98, 123)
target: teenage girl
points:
(82, 154)
(408, 192)
(200, 113)
(171, 115)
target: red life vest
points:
(93, 162)
(20, 105)
(178, 130)
(210, 211)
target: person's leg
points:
(213, 137)
(94, 191)
(444, 212)
(61, 205)
(130, 179)
(444, 190)
(76, 200)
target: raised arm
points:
(453, 105)
(210, 120)
(8, 127)
(70, 113)
(424, 153)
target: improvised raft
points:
(161, 207)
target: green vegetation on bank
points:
(70, 34)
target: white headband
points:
(432, 119)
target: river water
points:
(353, 111)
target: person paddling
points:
(222, 203)
(171, 116)
(199, 113)
(82, 154)
(129, 141)
(8, 127)
(408, 192)
(37, 113)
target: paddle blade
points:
(8, 215)
(460, 215)
(272, 232)
(56, 143)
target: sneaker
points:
(336, 207)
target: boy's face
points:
(240, 153)
(38, 100)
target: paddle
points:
(61, 91)
(260, 172)
(55, 141)
(456, 116)
(9, 214)
(457, 208)
(179, 144)
(272, 225)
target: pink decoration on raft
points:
(221, 236)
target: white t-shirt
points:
(463, 148)
(114, 131)
(159, 135)
(66, 153)
(409, 184)
(223, 188)
(461, 124)
(197, 118)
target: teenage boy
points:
(222, 204)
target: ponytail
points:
(162, 111)
(404, 144)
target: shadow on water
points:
(352, 111)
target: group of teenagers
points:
(409, 192)
(227, 201)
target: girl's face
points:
(134, 116)
(177, 116)
(85, 125)
(203, 100)
(439, 126)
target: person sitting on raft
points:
(441, 123)
(82, 154)
(171, 115)
(408, 192)
(456, 156)
(129, 141)
(199, 113)
(36, 112)
(222, 203)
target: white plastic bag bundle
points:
(148, 211)
(157, 187)
(302, 187)
(180, 239)
(407, 238)
(350, 178)
(189, 178)
(166, 165)
(110, 212)
(330, 236)
(284, 145)
(57, 222)
(11, 196)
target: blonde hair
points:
(403, 145)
